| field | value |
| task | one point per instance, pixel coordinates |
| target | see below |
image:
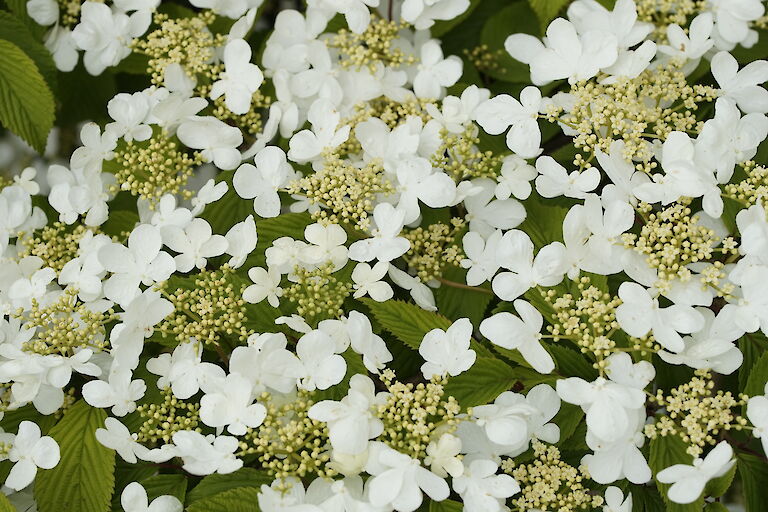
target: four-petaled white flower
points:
(688, 481)
(134, 499)
(368, 281)
(447, 352)
(30, 451)
(239, 80)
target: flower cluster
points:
(308, 259)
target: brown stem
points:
(454, 284)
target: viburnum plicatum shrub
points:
(384, 255)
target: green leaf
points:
(85, 477)
(515, 18)
(482, 383)
(445, 506)
(19, 9)
(665, 452)
(13, 30)
(717, 487)
(407, 322)
(571, 363)
(547, 10)
(240, 499)
(568, 418)
(715, 507)
(229, 210)
(443, 26)
(5, 505)
(645, 498)
(754, 478)
(120, 222)
(166, 485)
(752, 345)
(269, 230)
(543, 221)
(26, 101)
(457, 303)
(11, 419)
(215, 484)
(758, 376)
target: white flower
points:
(105, 34)
(442, 456)
(355, 11)
(482, 490)
(195, 244)
(486, 214)
(96, 147)
(757, 412)
(267, 363)
(117, 437)
(615, 502)
(79, 192)
(621, 457)
(365, 342)
(217, 140)
(435, 72)
(447, 352)
(184, 370)
(323, 368)
(368, 281)
(515, 253)
(398, 480)
(711, 347)
(513, 419)
(44, 12)
(142, 262)
(566, 54)
(420, 293)
(640, 313)
(728, 139)
(734, 19)
(691, 46)
(29, 452)
(481, 257)
(262, 182)
(130, 113)
(351, 421)
(307, 145)
(688, 481)
(327, 245)
(285, 495)
(204, 455)
(457, 113)
(423, 13)
(134, 499)
(385, 245)
(684, 174)
(241, 241)
(231, 405)
(508, 331)
(61, 44)
(742, 86)
(515, 178)
(554, 180)
(419, 181)
(119, 392)
(503, 111)
(622, 173)
(239, 80)
(606, 403)
(266, 285)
